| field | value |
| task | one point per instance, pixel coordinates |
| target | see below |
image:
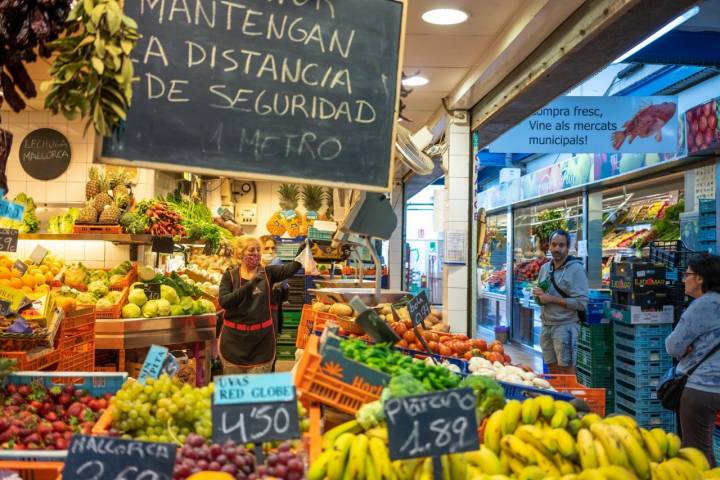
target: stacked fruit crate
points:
(707, 236)
(286, 340)
(640, 363)
(595, 360)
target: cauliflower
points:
(131, 311)
(208, 306)
(137, 296)
(176, 310)
(150, 309)
(98, 288)
(187, 305)
(104, 304)
(198, 308)
(168, 293)
(370, 414)
(163, 307)
(86, 298)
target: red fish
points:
(648, 121)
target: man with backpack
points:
(563, 296)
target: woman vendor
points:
(247, 341)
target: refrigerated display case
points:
(532, 227)
(492, 269)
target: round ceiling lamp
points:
(445, 16)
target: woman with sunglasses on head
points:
(694, 343)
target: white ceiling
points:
(445, 54)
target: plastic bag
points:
(308, 262)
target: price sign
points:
(21, 267)
(11, 210)
(432, 424)
(376, 327)
(255, 408)
(159, 360)
(163, 245)
(5, 308)
(152, 290)
(419, 308)
(106, 458)
(38, 255)
(8, 240)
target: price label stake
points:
(255, 409)
(96, 458)
(152, 290)
(21, 267)
(38, 255)
(431, 425)
(419, 309)
(370, 321)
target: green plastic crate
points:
(595, 378)
(596, 337)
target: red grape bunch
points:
(196, 456)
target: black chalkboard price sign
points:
(8, 240)
(152, 291)
(419, 308)
(432, 424)
(287, 90)
(45, 154)
(105, 458)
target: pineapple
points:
(312, 198)
(289, 198)
(88, 214)
(118, 183)
(111, 214)
(328, 196)
(94, 185)
(103, 198)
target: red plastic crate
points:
(78, 358)
(594, 397)
(33, 362)
(129, 279)
(307, 319)
(111, 313)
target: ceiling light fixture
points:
(675, 23)
(415, 81)
(445, 16)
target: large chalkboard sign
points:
(291, 89)
(95, 458)
(45, 154)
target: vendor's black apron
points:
(250, 341)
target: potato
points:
(441, 327)
(389, 318)
(386, 309)
(341, 309)
(437, 313)
(320, 307)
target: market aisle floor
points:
(520, 355)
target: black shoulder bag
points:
(582, 314)
(671, 386)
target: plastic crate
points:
(461, 364)
(594, 397)
(291, 318)
(315, 385)
(647, 416)
(305, 329)
(322, 235)
(34, 360)
(514, 391)
(645, 366)
(78, 358)
(707, 234)
(672, 254)
(128, 279)
(707, 219)
(96, 383)
(641, 337)
(601, 377)
(707, 205)
(34, 470)
(78, 319)
(114, 312)
(595, 337)
(600, 362)
(95, 229)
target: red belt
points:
(248, 328)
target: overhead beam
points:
(593, 36)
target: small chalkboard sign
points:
(376, 327)
(21, 267)
(95, 458)
(152, 290)
(38, 255)
(5, 308)
(45, 154)
(8, 240)
(158, 360)
(419, 308)
(163, 245)
(255, 408)
(432, 424)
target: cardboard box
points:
(636, 315)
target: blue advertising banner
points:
(597, 124)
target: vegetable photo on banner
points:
(92, 74)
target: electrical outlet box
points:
(246, 213)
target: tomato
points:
(507, 358)
(400, 329)
(479, 343)
(431, 337)
(444, 350)
(468, 355)
(494, 357)
(497, 349)
(408, 324)
(445, 339)
(433, 346)
(415, 346)
(402, 344)
(461, 337)
(409, 336)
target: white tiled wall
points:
(68, 188)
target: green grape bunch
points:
(162, 410)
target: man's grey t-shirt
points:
(572, 279)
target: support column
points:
(395, 259)
(593, 218)
(456, 287)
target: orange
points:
(15, 272)
(48, 277)
(15, 282)
(44, 268)
(54, 271)
(4, 272)
(4, 282)
(27, 289)
(7, 262)
(39, 278)
(29, 280)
